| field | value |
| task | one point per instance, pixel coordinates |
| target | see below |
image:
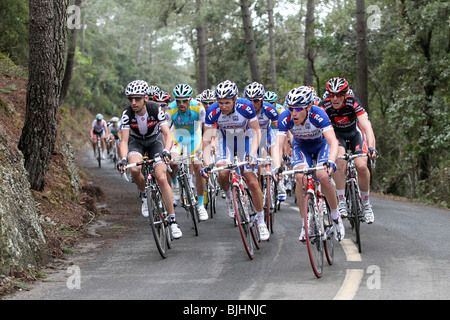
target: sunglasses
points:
(182, 101)
(208, 102)
(163, 105)
(332, 95)
(136, 99)
(297, 109)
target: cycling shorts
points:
(101, 133)
(354, 140)
(303, 154)
(229, 145)
(185, 137)
(151, 147)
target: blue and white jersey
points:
(309, 132)
(267, 116)
(237, 121)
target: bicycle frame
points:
(245, 220)
(315, 234)
(268, 191)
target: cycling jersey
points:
(114, 130)
(148, 125)
(308, 137)
(186, 127)
(266, 117)
(235, 135)
(345, 118)
(99, 128)
(345, 122)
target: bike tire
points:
(356, 212)
(254, 228)
(243, 223)
(328, 228)
(158, 223)
(192, 209)
(99, 154)
(268, 204)
(313, 241)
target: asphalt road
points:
(405, 255)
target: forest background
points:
(406, 46)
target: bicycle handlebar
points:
(230, 166)
(304, 170)
(353, 156)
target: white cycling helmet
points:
(300, 96)
(182, 90)
(254, 90)
(337, 85)
(208, 95)
(137, 87)
(226, 90)
(115, 119)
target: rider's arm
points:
(206, 144)
(367, 127)
(278, 150)
(254, 126)
(123, 150)
(167, 136)
(332, 141)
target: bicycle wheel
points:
(328, 228)
(356, 210)
(190, 204)
(268, 201)
(312, 234)
(158, 223)
(253, 225)
(212, 197)
(99, 153)
(243, 222)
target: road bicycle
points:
(270, 196)
(114, 150)
(98, 151)
(244, 210)
(158, 216)
(318, 227)
(187, 196)
(353, 198)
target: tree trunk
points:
(361, 55)
(273, 62)
(48, 31)
(308, 77)
(70, 61)
(202, 55)
(250, 45)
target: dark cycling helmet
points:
(270, 96)
(254, 90)
(300, 96)
(137, 87)
(162, 96)
(182, 90)
(226, 90)
(337, 85)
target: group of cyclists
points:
(220, 122)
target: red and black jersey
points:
(345, 118)
(148, 125)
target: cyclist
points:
(163, 99)
(271, 97)
(114, 129)
(313, 136)
(351, 123)
(145, 129)
(239, 133)
(186, 117)
(99, 128)
(152, 90)
(267, 116)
